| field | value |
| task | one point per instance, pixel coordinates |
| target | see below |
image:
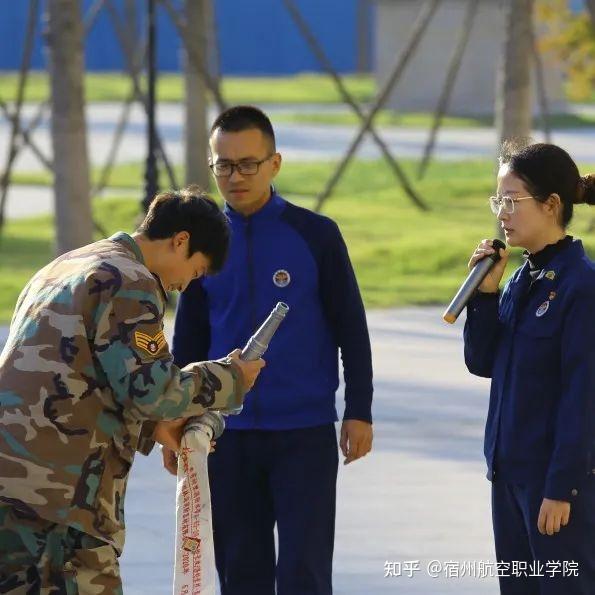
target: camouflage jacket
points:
(85, 364)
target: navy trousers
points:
(515, 510)
(262, 478)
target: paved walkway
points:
(420, 496)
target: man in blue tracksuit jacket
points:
(277, 460)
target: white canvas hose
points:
(194, 571)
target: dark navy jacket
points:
(289, 254)
(537, 343)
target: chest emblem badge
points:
(542, 309)
(281, 278)
(552, 295)
(551, 275)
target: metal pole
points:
(151, 173)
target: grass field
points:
(115, 86)
(401, 255)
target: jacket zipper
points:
(252, 299)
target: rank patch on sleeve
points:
(152, 345)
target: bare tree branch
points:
(419, 28)
(16, 121)
(449, 82)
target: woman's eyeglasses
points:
(506, 203)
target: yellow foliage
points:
(570, 37)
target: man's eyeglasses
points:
(245, 168)
(506, 203)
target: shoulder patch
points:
(152, 345)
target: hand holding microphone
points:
(487, 266)
(494, 275)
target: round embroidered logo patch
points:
(542, 309)
(281, 278)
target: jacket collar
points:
(540, 259)
(128, 242)
(270, 210)
(565, 253)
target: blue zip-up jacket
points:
(537, 344)
(289, 254)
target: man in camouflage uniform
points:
(86, 367)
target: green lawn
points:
(113, 86)
(401, 255)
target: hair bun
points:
(586, 193)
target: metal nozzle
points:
(259, 341)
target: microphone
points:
(472, 282)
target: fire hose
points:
(194, 567)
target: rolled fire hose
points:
(194, 567)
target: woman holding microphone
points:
(536, 340)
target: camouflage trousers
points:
(40, 557)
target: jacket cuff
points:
(239, 390)
(363, 413)
(563, 486)
(481, 298)
(145, 440)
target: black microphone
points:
(472, 282)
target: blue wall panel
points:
(13, 27)
(255, 37)
(259, 36)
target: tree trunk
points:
(74, 224)
(196, 135)
(363, 36)
(590, 4)
(212, 40)
(513, 102)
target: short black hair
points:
(192, 210)
(245, 117)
